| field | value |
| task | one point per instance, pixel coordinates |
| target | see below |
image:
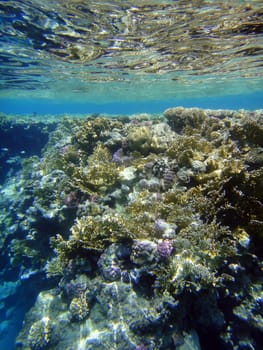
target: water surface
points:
(123, 51)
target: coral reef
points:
(147, 232)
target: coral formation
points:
(39, 334)
(79, 308)
(137, 224)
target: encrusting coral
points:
(170, 206)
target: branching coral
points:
(86, 133)
(99, 175)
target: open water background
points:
(34, 107)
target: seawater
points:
(32, 107)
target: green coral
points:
(23, 249)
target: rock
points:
(191, 341)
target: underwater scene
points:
(131, 175)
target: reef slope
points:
(145, 232)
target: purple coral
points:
(111, 273)
(165, 249)
(143, 252)
(74, 289)
(141, 347)
(165, 229)
(108, 264)
(161, 225)
(120, 157)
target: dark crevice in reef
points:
(19, 140)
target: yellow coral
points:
(79, 308)
(100, 174)
(140, 139)
(40, 334)
(88, 132)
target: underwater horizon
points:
(38, 107)
(131, 175)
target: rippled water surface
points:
(116, 50)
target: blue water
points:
(42, 106)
